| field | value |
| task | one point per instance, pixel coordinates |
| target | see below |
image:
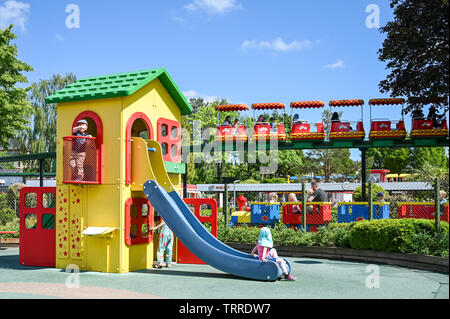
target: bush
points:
(399, 235)
(14, 225)
(417, 236)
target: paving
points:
(316, 279)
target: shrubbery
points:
(417, 236)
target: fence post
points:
(437, 209)
(225, 204)
(304, 207)
(370, 200)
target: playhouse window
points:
(138, 125)
(170, 139)
(138, 220)
(82, 154)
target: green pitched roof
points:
(118, 85)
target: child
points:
(273, 198)
(295, 208)
(267, 252)
(78, 155)
(165, 244)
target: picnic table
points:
(6, 233)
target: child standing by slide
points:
(165, 245)
(267, 252)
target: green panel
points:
(119, 85)
(424, 142)
(303, 145)
(177, 168)
(383, 143)
(343, 144)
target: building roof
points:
(119, 85)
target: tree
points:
(330, 161)
(433, 155)
(397, 160)
(41, 136)
(14, 105)
(417, 51)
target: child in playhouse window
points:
(78, 155)
(267, 252)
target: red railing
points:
(81, 159)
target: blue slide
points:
(201, 243)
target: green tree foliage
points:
(14, 105)
(41, 136)
(416, 51)
(434, 155)
(396, 160)
(330, 162)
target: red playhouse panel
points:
(37, 227)
(169, 136)
(320, 215)
(138, 221)
(184, 255)
(422, 210)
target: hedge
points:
(417, 236)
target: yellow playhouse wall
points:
(104, 205)
(154, 101)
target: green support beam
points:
(366, 144)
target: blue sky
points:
(246, 51)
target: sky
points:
(247, 51)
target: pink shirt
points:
(261, 250)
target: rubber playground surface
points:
(316, 279)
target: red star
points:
(78, 238)
(65, 238)
(65, 200)
(73, 246)
(78, 200)
(60, 245)
(73, 221)
(60, 221)
(65, 253)
(78, 254)
(65, 219)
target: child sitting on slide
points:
(267, 252)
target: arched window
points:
(138, 125)
(83, 151)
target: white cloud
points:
(192, 94)
(14, 12)
(278, 45)
(339, 64)
(59, 37)
(213, 6)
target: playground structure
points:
(106, 199)
(134, 122)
